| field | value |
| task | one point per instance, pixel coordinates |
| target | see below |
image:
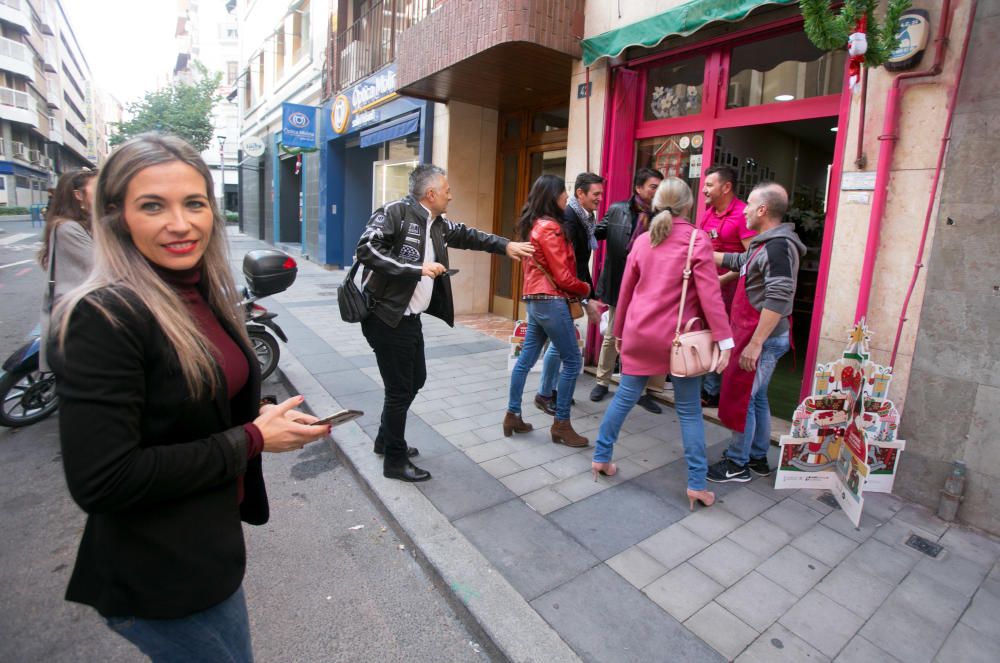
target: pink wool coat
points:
(646, 316)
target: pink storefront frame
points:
(715, 116)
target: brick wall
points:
(463, 28)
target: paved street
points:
(328, 578)
(558, 567)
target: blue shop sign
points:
(298, 125)
(368, 103)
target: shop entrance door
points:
(531, 144)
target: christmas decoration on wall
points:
(843, 436)
(855, 26)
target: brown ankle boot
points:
(512, 423)
(563, 433)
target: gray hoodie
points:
(772, 273)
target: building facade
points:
(46, 100)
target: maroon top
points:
(227, 353)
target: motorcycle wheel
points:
(267, 351)
(27, 397)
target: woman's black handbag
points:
(355, 305)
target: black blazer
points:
(155, 470)
(580, 239)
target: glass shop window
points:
(782, 68)
(674, 89)
(679, 155)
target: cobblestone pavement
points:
(620, 569)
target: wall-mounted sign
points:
(356, 106)
(862, 180)
(914, 29)
(253, 146)
(298, 125)
(340, 115)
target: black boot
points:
(395, 467)
(380, 448)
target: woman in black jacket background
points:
(161, 422)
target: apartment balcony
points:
(494, 53)
(18, 106)
(45, 23)
(53, 93)
(16, 58)
(49, 60)
(16, 12)
(19, 150)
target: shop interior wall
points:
(358, 162)
(311, 205)
(953, 410)
(465, 144)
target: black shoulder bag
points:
(355, 305)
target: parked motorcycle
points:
(27, 394)
(267, 272)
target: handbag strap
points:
(685, 278)
(52, 264)
(549, 277)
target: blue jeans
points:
(548, 319)
(712, 384)
(220, 634)
(755, 439)
(550, 372)
(687, 394)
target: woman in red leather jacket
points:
(549, 281)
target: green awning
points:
(682, 21)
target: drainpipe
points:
(945, 139)
(890, 136)
(951, 494)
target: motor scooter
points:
(27, 394)
(267, 272)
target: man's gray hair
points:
(423, 177)
(775, 197)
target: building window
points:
(782, 68)
(674, 89)
(279, 53)
(231, 68)
(300, 31)
(260, 74)
(247, 89)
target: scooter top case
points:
(269, 271)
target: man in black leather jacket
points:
(404, 250)
(618, 229)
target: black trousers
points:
(400, 356)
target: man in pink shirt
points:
(725, 223)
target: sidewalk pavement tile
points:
(495, 449)
(922, 518)
(456, 426)
(322, 362)
(882, 506)
(542, 453)
(725, 562)
(954, 572)
(571, 465)
(973, 546)
(538, 559)
(822, 623)
(745, 503)
(793, 517)
(636, 442)
(501, 467)
(683, 591)
(982, 614)
(856, 589)
(765, 487)
(967, 646)
(545, 500)
(936, 600)
(636, 566)
(658, 456)
(721, 629)
(528, 480)
(905, 634)
(460, 487)
(605, 619)
(757, 600)
(610, 521)
(895, 533)
(342, 383)
(809, 498)
(886, 563)
(435, 417)
(580, 487)
(490, 433)
(794, 570)
(779, 645)
(839, 522)
(761, 537)
(859, 650)
(363, 361)
(711, 524)
(465, 441)
(673, 545)
(824, 544)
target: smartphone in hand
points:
(339, 418)
(452, 272)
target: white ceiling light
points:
(833, 129)
(784, 97)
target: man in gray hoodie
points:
(769, 271)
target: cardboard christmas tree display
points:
(843, 436)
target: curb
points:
(479, 593)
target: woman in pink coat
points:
(646, 319)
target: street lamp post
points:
(222, 172)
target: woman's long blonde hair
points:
(120, 266)
(673, 198)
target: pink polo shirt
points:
(727, 231)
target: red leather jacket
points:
(555, 253)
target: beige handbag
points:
(692, 353)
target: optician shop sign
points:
(298, 125)
(353, 108)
